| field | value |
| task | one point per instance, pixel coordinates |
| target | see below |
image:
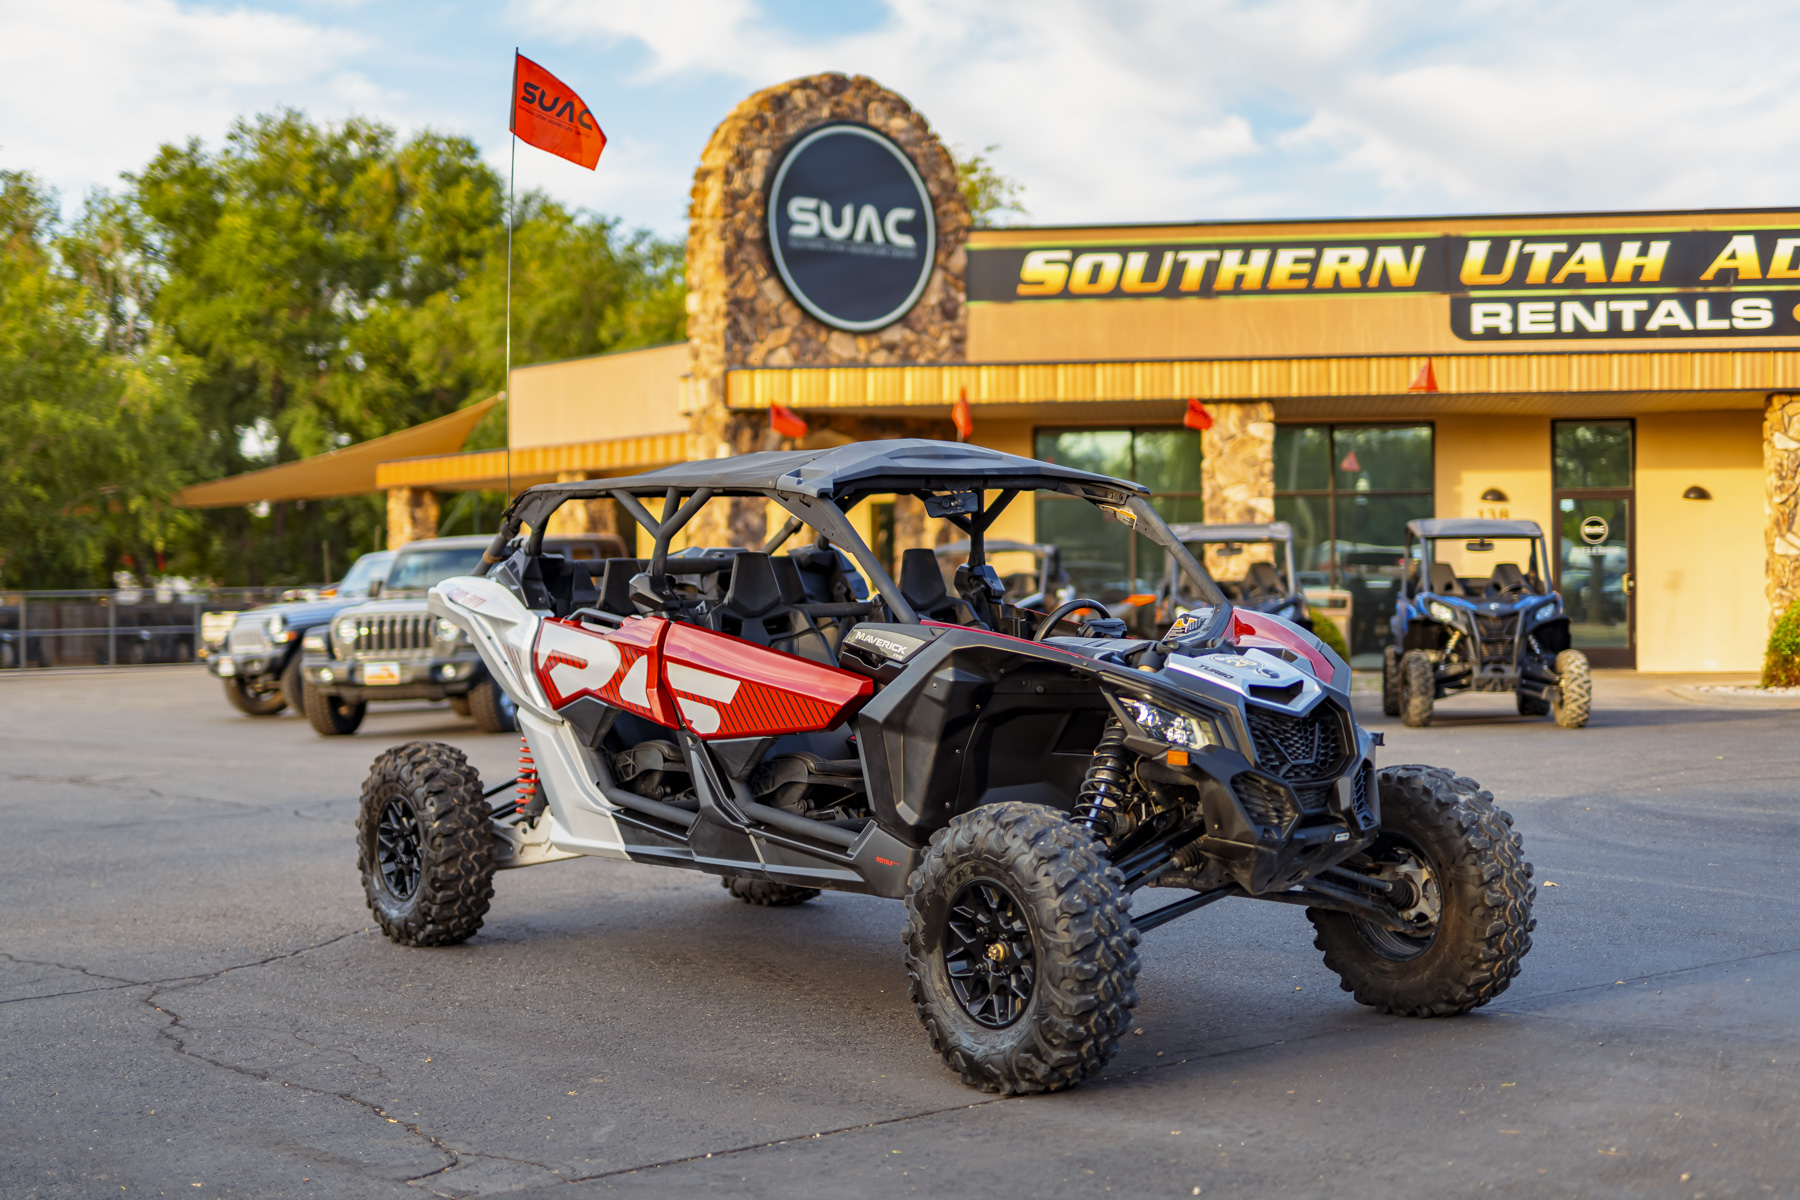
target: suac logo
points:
(562, 107)
(851, 227)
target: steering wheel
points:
(1064, 609)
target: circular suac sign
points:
(851, 228)
(1594, 530)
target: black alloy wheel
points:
(1413, 892)
(397, 848)
(989, 953)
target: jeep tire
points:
(459, 705)
(1390, 681)
(765, 893)
(1020, 957)
(1418, 688)
(332, 716)
(1463, 854)
(246, 699)
(492, 708)
(293, 686)
(1574, 690)
(425, 845)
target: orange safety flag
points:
(547, 113)
(1425, 380)
(1197, 417)
(962, 418)
(786, 422)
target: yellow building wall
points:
(1700, 604)
(629, 394)
(1509, 453)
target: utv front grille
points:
(1265, 801)
(1360, 794)
(1298, 748)
(1497, 636)
(389, 634)
(1314, 797)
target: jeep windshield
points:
(366, 570)
(417, 570)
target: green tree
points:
(97, 428)
(991, 196)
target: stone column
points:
(1238, 476)
(1781, 506)
(412, 515)
(740, 314)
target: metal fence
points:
(122, 628)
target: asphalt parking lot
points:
(193, 1001)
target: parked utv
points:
(260, 662)
(390, 648)
(1501, 629)
(1266, 587)
(1017, 779)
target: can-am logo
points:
(851, 227)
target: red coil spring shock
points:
(528, 776)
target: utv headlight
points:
(447, 632)
(1177, 729)
(346, 633)
(1442, 612)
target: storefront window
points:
(1103, 559)
(1348, 491)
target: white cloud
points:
(93, 88)
(1213, 108)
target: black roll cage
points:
(1129, 504)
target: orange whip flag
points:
(547, 113)
(786, 422)
(1197, 417)
(962, 418)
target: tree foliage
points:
(993, 198)
(298, 288)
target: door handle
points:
(1628, 583)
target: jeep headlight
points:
(1186, 730)
(346, 633)
(275, 627)
(1442, 612)
(447, 631)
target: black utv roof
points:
(896, 464)
(1472, 527)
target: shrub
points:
(1326, 630)
(1781, 665)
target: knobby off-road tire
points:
(1390, 681)
(1484, 893)
(1071, 941)
(1575, 690)
(423, 819)
(1418, 688)
(332, 716)
(248, 701)
(492, 708)
(765, 894)
(293, 686)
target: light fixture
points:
(1696, 493)
(1493, 496)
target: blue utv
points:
(1469, 618)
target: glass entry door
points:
(1594, 470)
(1595, 576)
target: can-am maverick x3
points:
(1014, 778)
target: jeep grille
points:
(1298, 748)
(248, 635)
(385, 635)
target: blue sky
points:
(1114, 111)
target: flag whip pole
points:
(511, 169)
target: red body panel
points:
(1252, 629)
(727, 687)
(679, 676)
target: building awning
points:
(348, 472)
(1730, 377)
(488, 469)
